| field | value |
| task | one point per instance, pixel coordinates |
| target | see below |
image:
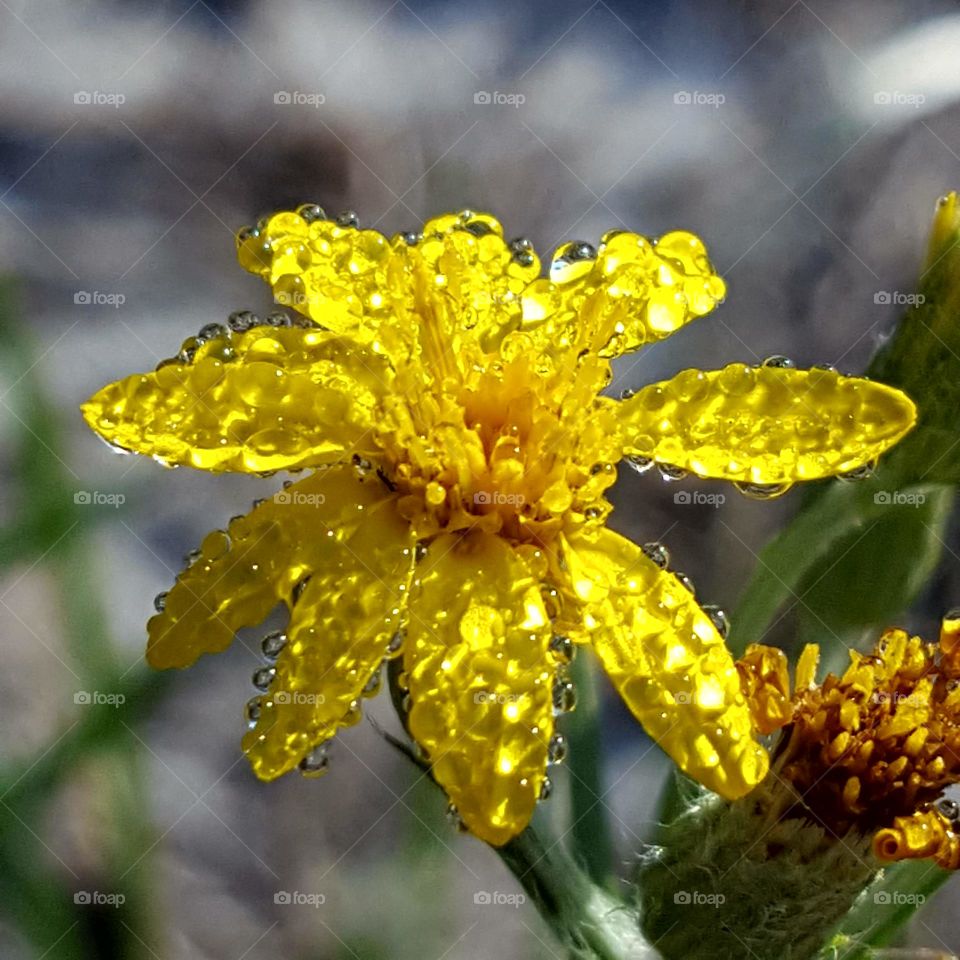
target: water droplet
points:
(763, 491)
(454, 818)
(264, 677)
(411, 238)
(861, 473)
(211, 331)
(593, 513)
(160, 601)
(557, 750)
(242, 320)
(671, 473)
(522, 251)
(396, 643)
(658, 553)
(316, 763)
(572, 261)
(686, 582)
(372, 687)
(829, 367)
(564, 695)
(627, 393)
(245, 233)
(353, 714)
(348, 219)
(478, 228)
(778, 360)
(273, 643)
(546, 788)
(311, 212)
(278, 319)
(420, 551)
(640, 464)
(718, 618)
(576, 250)
(601, 468)
(192, 557)
(563, 648)
(252, 711)
(948, 808)
(188, 350)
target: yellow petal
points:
(340, 628)
(806, 672)
(475, 276)
(336, 275)
(922, 835)
(765, 425)
(268, 399)
(480, 680)
(765, 681)
(458, 278)
(243, 572)
(633, 292)
(667, 660)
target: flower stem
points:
(592, 923)
(589, 830)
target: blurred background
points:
(805, 141)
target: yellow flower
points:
(874, 750)
(450, 404)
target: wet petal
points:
(268, 399)
(480, 680)
(457, 277)
(667, 660)
(339, 631)
(243, 572)
(765, 425)
(630, 292)
(334, 273)
(765, 680)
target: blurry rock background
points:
(805, 141)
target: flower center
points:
(492, 449)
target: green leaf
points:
(806, 565)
